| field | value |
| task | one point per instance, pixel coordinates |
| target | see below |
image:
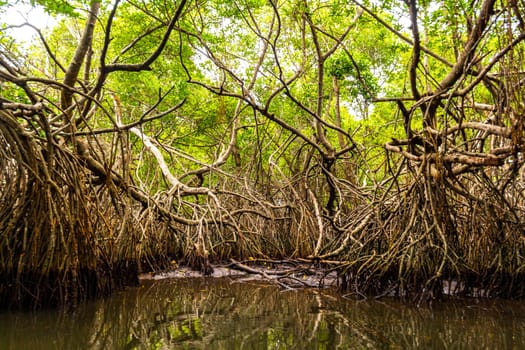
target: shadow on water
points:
(224, 314)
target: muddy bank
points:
(287, 274)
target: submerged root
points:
(56, 246)
(431, 239)
(199, 260)
(67, 236)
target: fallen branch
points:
(237, 265)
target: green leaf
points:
(59, 7)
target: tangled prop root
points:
(49, 252)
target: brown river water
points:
(211, 313)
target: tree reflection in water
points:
(225, 314)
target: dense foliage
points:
(385, 138)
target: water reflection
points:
(224, 314)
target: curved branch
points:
(401, 36)
(46, 46)
(146, 64)
(459, 68)
(488, 128)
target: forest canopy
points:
(381, 138)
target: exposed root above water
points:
(288, 274)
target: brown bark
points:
(73, 70)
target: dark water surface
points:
(223, 314)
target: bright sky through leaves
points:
(19, 14)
